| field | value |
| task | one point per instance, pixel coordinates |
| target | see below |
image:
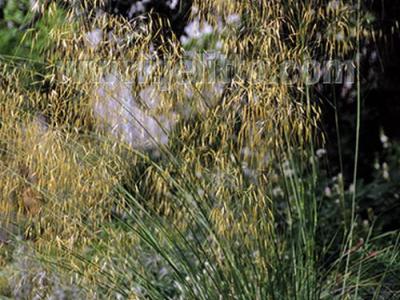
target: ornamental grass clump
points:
(131, 176)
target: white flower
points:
(321, 152)
(233, 19)
(328, 192)
(172, 3)
(196, 30)
(385, 174)
(138, 7)
(287, 170)
(384, 140)
(94, 37)
(119, 110)
(277, 192)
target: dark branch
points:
(3, 4)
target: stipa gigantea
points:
(201, 208)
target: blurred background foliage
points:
(17, 38)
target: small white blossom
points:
(321, 152)
(138, 7)
(196, 30)
(384, 140)
(233, 19)
(385, 174)
(328, 192)
(277, 192)
(172, 3)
